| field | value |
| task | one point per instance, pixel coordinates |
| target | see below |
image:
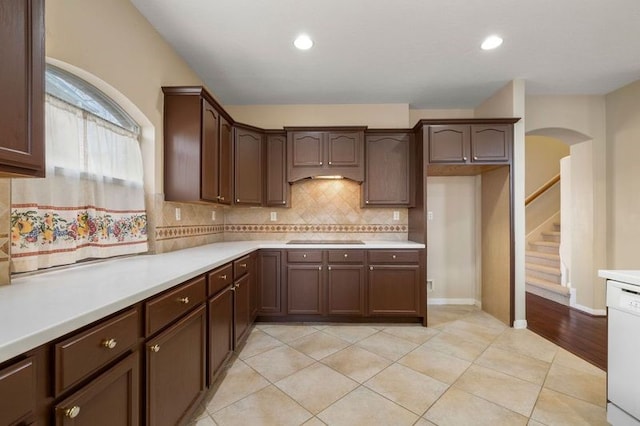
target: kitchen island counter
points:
(38, 308)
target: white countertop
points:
(39, 308)
(625, 276)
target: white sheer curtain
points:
(90, 205)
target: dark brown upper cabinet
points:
(197, 147)
(466, 144)
(248, 161)
(389, 169)
(277, 189)
(313, 152)
(22, 88)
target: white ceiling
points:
(422, 52)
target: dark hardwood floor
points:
(581, 334)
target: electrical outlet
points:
(429, 215)
(213, 215)
(178, 215)
(273, 216)
(396, 215)
(429, 285)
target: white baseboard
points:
(520, 324)
(443, 301)
(591, 311)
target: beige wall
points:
(417, 114)
(452, 239)
(496, 247)
(623, 177)
(577, 120)
(510, 102)
(542, 160)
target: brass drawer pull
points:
(394, 256)
(155, 348)
(244, 265)
(346, 255)
(109, 343)
(184, 300)
(223, 277)
(72, 412)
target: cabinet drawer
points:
(17, 392)
(163, 309)
(86, 352)
(346, 256)
(241, 266)
(220, 279)
(304, 256)
(394, 256)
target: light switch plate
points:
(429, 215)
(273, 216)
(213, 215)
(178, 214)
(396, 215)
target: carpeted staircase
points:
(542, 264)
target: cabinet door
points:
(448, 143)
(18, 392)
(210, 153)
(111, 399)
(220, 331)
(269, 283)
(343, 149)
(225, 163)
(248, 167)
(346, 290)
(491, 143)
(394, 290)
(307, 149)
(304, 286)
(22, 87)
(176, 369)
(242, 309)
(277, 187)
(388, 170)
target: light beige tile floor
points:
(466, 368)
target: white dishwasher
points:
(623, 369)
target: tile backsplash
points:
(320, 209)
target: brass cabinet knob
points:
(155, 348)
(329, 162)
(319, 268)
(243, 265)
(328, 268)
(371, 268)
(304, 255)
(366, 202)
(394, 256)
(320, 163)
(237, 200)
(475, 157)
(220, 197)
(284, 202)
(464, 158)
(109, 343)
(184, 300)
(346, 255)
(223, 277)
(72, 412)
(233, 287)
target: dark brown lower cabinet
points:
(269, 283)
(18, 393)
(346, 290)
(394, 290)
(305, 290)
(113, 398)
(220, 331)
(242, 308)
(176, 369)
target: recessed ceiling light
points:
(303, 42)
(491, 42)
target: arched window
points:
(91, 204)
